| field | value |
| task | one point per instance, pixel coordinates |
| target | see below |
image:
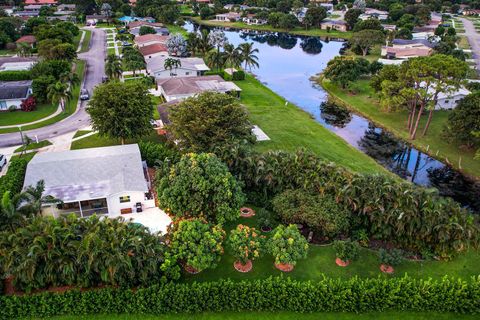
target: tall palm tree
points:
(113, 67)
(171, 63)
(215, 59)
(232, 55)
(192, 42)
(204, 44)
(59, 93)
(10, 216)
(247, 53)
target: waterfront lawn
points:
(290, 128)
(365, 103)
(249, 315)
(298, 30)
(177, 29)
(19, 117)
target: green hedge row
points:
(273, 294)
(15, 75)
(13, 180)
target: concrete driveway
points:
(474, 40)
(95, 65)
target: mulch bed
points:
(246, 212)
(247, 267)
(285, 267)
(316, 239)
(191, 269)
(386, 269)
(341, 263)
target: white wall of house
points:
(157, 54)
(6, 104)
(114, 204)
(448, 103)
(143, 44)
(180, 72)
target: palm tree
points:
(232, 55)
(9, 213)
(247, 52)
(71, 78)
(59, 93)
(204, 44)
(32, 199)
(215, 59)
(171, 63)
(192, 42)
(113, 67)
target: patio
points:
(153, 218)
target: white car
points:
(84, 95)
(3, 161)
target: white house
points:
(449, 100)
(227, 17)
(17, 63)
(104, 181)
(190, 67)
(374, 14)
(12, 93)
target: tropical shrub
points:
(346, 250)
(152, 152)
(245, 243)
(318, 212)
(287, 245)
(391, 257)
(70, 251)
(196, 243)
(265, 219)
(29, 104)
(13, 180)
(238, 75)
(199, 185)
(15, 75)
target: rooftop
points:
(14, 89)
(42, 2)
(139, 40)
(415, 42)
(27, 39)
(192, 85)
(137, 24)
(152, 49)
(157, 63)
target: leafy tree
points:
(168, 14)
(343, 70)
(366, 39)
(113, 67)
(351, 17)
(208, 121)
(464, 121)
(196, 243)
(274, 19)
(287, 22)
(147, 30)
(121, 110)
(47, 31)
(176, 45)
(54, 68)
(40, 87)
(314, 16)
(287, 245)
(74, 30)
(193, 40)
(247, 53)
(369, 24)
(405, 33)
(346, 250)
(245, 243)
(205, 12)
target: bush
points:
(153, 153)
(287, 245)
(391, 257)
(245, 243)
(273, 294)
(13, 180)
(346, 250)
(238, 75)
(29, 104)
(15, 75)
(199, 185)
(318, 212)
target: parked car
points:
(84, 95)
(3, 161)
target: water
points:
(287, 63)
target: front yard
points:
(19, 117)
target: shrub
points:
(29, 104)
(318, 212)
(196, 243)
(391, 257)
(287, 245)
(153, 152)
(346, 250)
(13, 180)
(245, 243)
(200, 185)
(238, 75)
(266, 219)
(15, 75)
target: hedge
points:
(15, 75)
(13, 180)
(272, 294)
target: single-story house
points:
(127, 19)
(338, 25)
(227, 17)
(33, 7)
(405, 49)
(65, 17)
(153, 50)
(148, 39)
(95, 18)
(134, 27)
(17, 63)
(251, 19)
(12, 93)
(190, 67)
(107, 181)
(416, 43)
(179, 88)
(389, 27)
(41, 2)
(449, 100)
(28, 39)
(374, 14)
(25, 15)
(66, 7)
(471, 12)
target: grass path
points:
(433, 143)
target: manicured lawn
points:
(463, 43)
(177, 29)
(80, 133)
(35, 145)
(95, 141)
(70, 108)
(86, 41)
(290, 128)
(364, 103)
(297, 30)
(392, 315)
(19, 117)
(373, 55)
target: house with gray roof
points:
(108, 180)
(12, 94)
(189, 67)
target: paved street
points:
(95, 60)
(474, 40)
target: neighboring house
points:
(228, 17)
(33, 7)
(374, 14)
(66, 7)
(328, 7)
(95, 18)
(153, 50)
(29, 39)
(300, 15)
(190, 67)
(251, 19)
(17, 63)
(471, 12)
(41, 2)
(108, 180)
(389, 27)
(450, 100)
(338, 25)
(180, 88)
(25, 15)
(405, 49)
(149, 39)
(12, 93)
(134, 27)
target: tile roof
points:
(40, 1)
(139, 40)
(152, 49)
(27, 39)
(14, 89)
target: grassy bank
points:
(297, 30)
(290, 128)
(19, 117)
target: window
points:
(124, 199)
(187, 73)
(447, 101)
(3, 105)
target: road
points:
(95, 61)
(474, 40)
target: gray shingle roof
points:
(14, 89)
(84, 174)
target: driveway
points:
(95, 61)
(474, 40)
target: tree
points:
(200, 185)
(59, 93)
(147, 30)
(351, 17)
(365, 39)
(343, 70)
(464, 121)
(176, 45)
(113, 67)
(204, 45)
(232, 55)
(106, 10)
(133, 59)
(33, 199)
(197, 244)
(287, 22)
(314, 16)
(11, 217)
(208, 121)
(205, 12)
(40, 87)
(245, 243)
(287, 245)
(247, 52)
(193, 41)
(217, 39)
(121, 110)
(171, 63)
(54, 68)
(369, 24)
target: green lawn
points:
(374, 54)
(70, 108)
(95, 141)
(34, 145)
(297, 30)
(20, 117)
(80, 133)
(463, 42)
(177, 29)
(364, 103)
(290, 128)
(86, 41)
(248, 315)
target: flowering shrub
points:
(29, 104)
(246, 243)
(287, 245)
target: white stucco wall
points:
(180, 73)
(114, 205)
(448, 103)
(8, 103)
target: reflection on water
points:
(287, 63)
